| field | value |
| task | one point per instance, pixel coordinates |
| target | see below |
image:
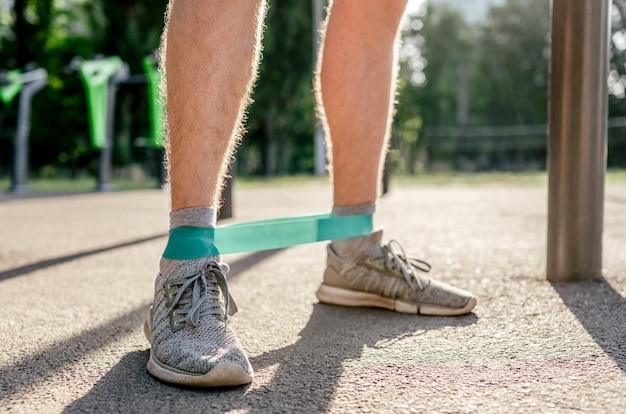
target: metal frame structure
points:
(33, 81)
(577, 144)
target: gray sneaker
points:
(382, 276)
(192, 343)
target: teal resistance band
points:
(193, 242)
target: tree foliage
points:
(513, 64)
(443, 45)
(281, 119)
(493, 78)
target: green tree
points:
(446, 50)
(433, 92)
(617, 85)
(281, 119)
(510, 84)
(31, 28)
(495, 73)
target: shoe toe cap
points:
(442, 294)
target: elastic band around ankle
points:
(186, 243)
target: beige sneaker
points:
(382, 276)
(191, 341)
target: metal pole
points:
(226, 209)
(577, 138)
(319, 144)
(34, 81)
(106, 153)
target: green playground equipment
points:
(10, 86)
(156, 139)
(26, 85)
(96, 76)
(101, 78)
(154, 101)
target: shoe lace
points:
(396, 259)
(191, 297)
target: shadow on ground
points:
(43, 264)
(601, 311)
(33, 370)
(301, 377)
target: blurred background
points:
(473, 89)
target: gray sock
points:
(205, 217)
(344, 246)
(194, 217)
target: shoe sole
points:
(223, 375)
(345, 297)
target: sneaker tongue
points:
(372, 244)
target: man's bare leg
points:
(356, 86)
(357, 82)
(211, 50)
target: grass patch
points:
(79, 185)
(436, 179)
(615, 176)
(489, 178)
(288, 180)
(482, 178)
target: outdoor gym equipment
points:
(26, 85)
(154, 102)
(101, 78)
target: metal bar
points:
(226, 209)
(486, 131)
(577, 138)
(319, 144)
(106, 153)
(34, 81)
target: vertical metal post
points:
(226, 209)
(577, 138)
(33, 81)
(319, 144)
(106, 153)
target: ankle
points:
(203, 216)
(347, 247)
(190, 238)
(364, 208)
